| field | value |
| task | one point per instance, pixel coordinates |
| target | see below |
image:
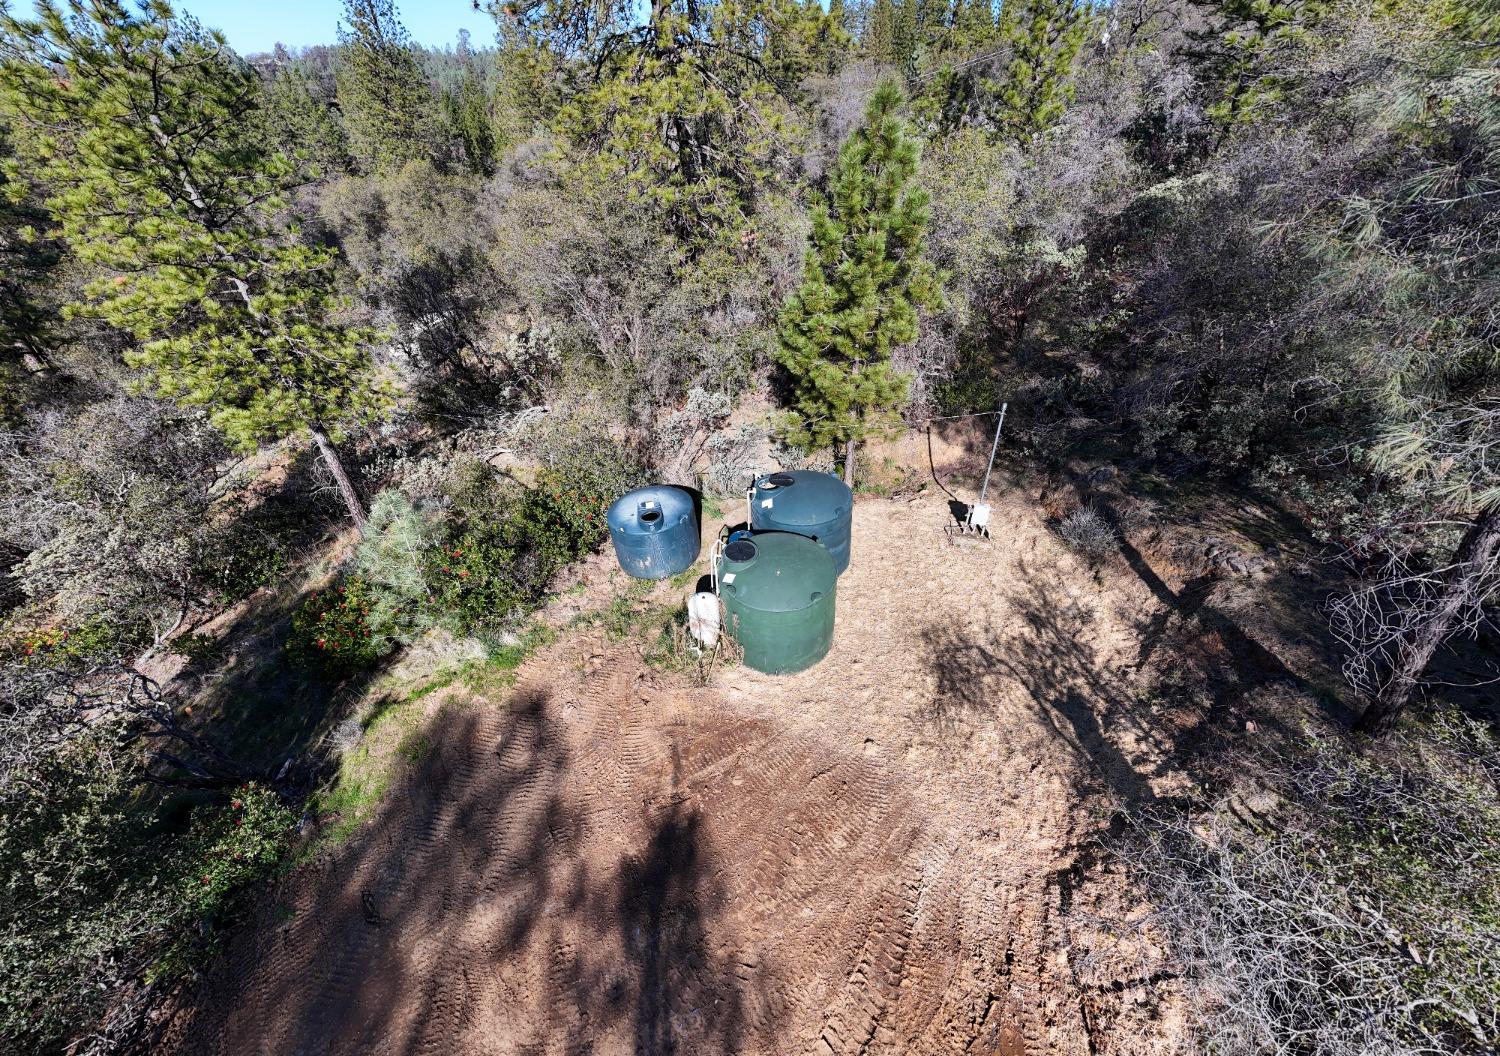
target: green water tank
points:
(778, 593)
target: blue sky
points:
(255, 25)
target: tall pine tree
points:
(864, 278)
(467, 109)
(304, 123)
(973, 25)
(28, 258)
(686, 107)
(387, 105)
(879, 38)
(146, 131)
(1044, 37)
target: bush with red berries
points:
(331, 631)
(507, 541)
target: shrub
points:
(507, 541)
(226, 849)
(95, 641)
(331, 631)
(101, 891)
(395, 560)
(1085, 531)
(731, 459)
(498, 567)
(240, 564)
(1357, 914)
(197, 648)
(578, 455)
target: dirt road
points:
(880, 855)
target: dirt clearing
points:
(885, 854)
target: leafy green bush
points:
(101, 890)
(507, 541)
(198, 648)
(96, 641)
(331, 631)
(497, 570)
(575, 505)
(580, 459)
(240, 564)
(227, 848)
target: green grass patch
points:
(487, 678)
(618, 618)
(394, 738)
(442, 681)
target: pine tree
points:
(146, 131)
(973, 26)
(386, 102)
(1431, 346)
(28, 258)
(1242, 53)
(304, 124)
(394, 558)
(960, 51)
(686, 109)
(864, 278)
(840, 15)
(879, 40)
(1044, 37)
(467, 109)
(908, 35)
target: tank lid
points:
(741, 550)
(815, 499)
(785, 573)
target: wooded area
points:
(409, 319)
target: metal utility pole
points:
(993, 448)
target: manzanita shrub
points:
(331, 632)
(102, 885)
(495, 569)
(572, 507)
(228, 849)
(506, 541)
(94, 641)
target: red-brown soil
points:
(886, 854)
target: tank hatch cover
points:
(740, 551)
(781, 480)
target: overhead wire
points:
(931, 463)
(951, 417)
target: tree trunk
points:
(335, 466)
(849, 463)
(1473, 563)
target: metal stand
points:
(975, 527)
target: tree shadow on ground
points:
(486, 907)
(1240, 664)
(1120, 720)
(1072, 695)
(1248, 662)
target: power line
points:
(971, 414)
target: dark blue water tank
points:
(655, 531)
(807, 503)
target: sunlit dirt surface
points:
(888, 853)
